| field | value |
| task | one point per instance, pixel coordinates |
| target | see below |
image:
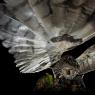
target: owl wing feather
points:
(28, 47)
(39, 31)
(86, 61)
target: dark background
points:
(14, 82)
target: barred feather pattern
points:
(28, 47)
(87, 60)
(33, 53)
(39, 31)
(56, 17)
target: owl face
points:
(68, 72)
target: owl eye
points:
(69, 73)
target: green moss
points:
(48, 83)
(45, 82)
(49, 80)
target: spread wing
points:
(66, 24)
(75, 18)
(87, 60)
(28, 47)
(44, 29)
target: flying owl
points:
(39, 32)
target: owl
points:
(40, 32)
